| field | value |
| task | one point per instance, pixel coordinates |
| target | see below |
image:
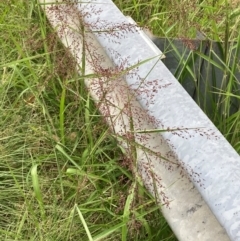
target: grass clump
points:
(62, 176)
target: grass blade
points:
(108, 232)
(84, 223)
(127, 210)
(37, 189)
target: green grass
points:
(62, 175)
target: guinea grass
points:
(61, 173)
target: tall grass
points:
(63, 175)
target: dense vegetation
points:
(63, 174)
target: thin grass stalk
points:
(70, 223)
(61, 114)
(43, 25)
(88, 123)
(127, 210)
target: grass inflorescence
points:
(215, 25)
(63, 175)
